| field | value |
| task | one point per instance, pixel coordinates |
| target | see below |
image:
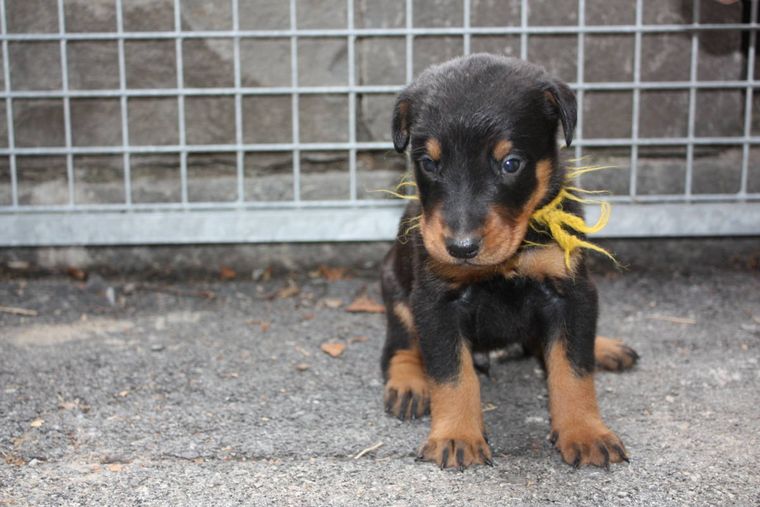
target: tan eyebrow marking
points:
(501, 149)
(433, 147)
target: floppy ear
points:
(563, 99)
(402, 121)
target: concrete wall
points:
(379, 60)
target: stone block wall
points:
(150, 64)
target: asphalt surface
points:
(127, 392)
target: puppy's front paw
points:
(456, 452)
(407, 393)
(409, 400)
(589, 444)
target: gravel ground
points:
(122, 392)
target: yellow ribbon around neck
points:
(556, 221)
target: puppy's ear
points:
(562, 98)
(402, 121)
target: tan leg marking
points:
(613, 355)
(577, 427)
(404, 314)
(456, 436)
(407, 395)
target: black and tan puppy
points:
(471, 272)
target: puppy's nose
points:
(463, 247)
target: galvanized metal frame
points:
(241, 220)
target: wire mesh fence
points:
(251, 120)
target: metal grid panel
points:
(349, 218)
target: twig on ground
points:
(205, 294)
(675, 320)
(369, 449)
(18, 311)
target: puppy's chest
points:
(495, 313)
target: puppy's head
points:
(483, 141)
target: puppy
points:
(473, 270)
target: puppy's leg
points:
(406, 395)
(578, 430)
(457, 434)
(577, 427)
(613, 355)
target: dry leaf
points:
(37, 423)
(302, 367)
(358, 339)
(332, 302)
(123, 394)
(262, 275)
(288, 291)
(68, 405)
(227, 273)
(115, 467)
(13, 459)
(334, 349)
(18, 264)
(264, 325)
(332, 274)
(77, 274)
(365, 304)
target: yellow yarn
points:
(406, 182)
(553, 218)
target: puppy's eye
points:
(429, 165)
(511, 164)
